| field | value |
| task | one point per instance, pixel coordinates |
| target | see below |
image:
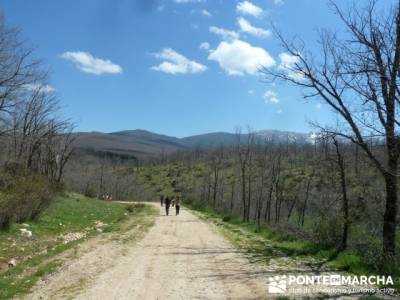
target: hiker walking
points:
(167, 204)
(177, 204)
(162, 200)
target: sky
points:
(177, 67)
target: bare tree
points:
(357, 74)
(345, 201)
(243, 154)
(18, 71)
(216, 166)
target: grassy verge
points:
(70, 220)
(267, 244)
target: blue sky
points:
(178, 67)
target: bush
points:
(23, 196)
(90, 192)
(130, 208)
(226, 218)
(366, 246)
(327, 231)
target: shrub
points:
(226, 218)
(23, 196)
(90, 192)
(327, 231)
(130, 208)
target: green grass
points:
(69, 213)
(247, 232)
(267, 244)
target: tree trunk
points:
(249, 198)
(215, 186)
(232, 197)
(244, 194)
(345, 202)
(389, 218)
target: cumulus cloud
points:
(288, 63)
(43, 88)
(204, 46)
(238, 57)
(205, 12)
(279, 111)
(86, 62)
(175, 63)
(248, 8)
(224, 33)
(271, 97)
(245, 26)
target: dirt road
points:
(181, 257)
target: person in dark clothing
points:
(167, 204)
(177, 204)
(162, 200)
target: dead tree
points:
(19, 72)
(345, 202)
(358, 77)
(243, 152)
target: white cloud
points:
(288, 61)
(224, 33)
(205, 12)
(248, 8)
(318, 106)
(43, 88)
(175, 63)
(251, 92)
(279, 111)
(245, 26)
(204, 46)
(288, 64)
(271, 97)
(86, 62)
(268, 94)
(274, 100)
(238, 57)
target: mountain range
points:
(140, 142)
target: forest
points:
(36, 142)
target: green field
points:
(70, 220)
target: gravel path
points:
(181, 257)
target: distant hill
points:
(139, 143)
(209, 139)
(285, 136)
